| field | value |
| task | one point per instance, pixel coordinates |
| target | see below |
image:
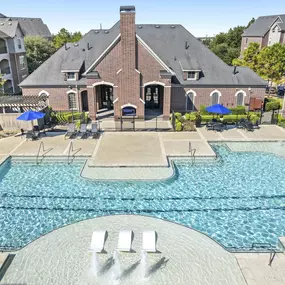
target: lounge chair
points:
(125, 241)
(256, 125)
(70, 131)
(32, 135)
(82, 131)
(98, 241)
(149, 241)
(249, 127)
(209, 126)
(218, 127)
(94, 130)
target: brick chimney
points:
(129, 78)
(128, 36)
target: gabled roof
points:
(30, 26)
(8, 28)
(262, 25)
(168, 42)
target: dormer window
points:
(191, 75)
(71, 76)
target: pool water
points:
(237, 200)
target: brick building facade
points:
(137, 69)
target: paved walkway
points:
(184, 256)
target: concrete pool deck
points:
(184, 256)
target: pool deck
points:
(184, 256)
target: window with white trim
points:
(72, 101)
(22, 61)
(191, 75)
(190, 101)
(71, 76)
(240, 99)
(215, 98)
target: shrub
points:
(189, 127)
(281, 121)
(203, 110)
(178, 127)
(177, 115)
(239, 110)
(272, 105)
(188, 116)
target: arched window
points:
(72, 101)
(190, 98)
(240, 98)
(215, 97)
(19, 43)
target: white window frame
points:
(244, 95)
(187, 95)
(213, 92)
(71, 79)
(68, 98)
(23, 64)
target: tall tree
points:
(227, 45)
(271, 63)
(249, 57)
(64, 36)
(38, 50)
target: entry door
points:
(107, 95)
(152, 97)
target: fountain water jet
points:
(94, 264)
(144, 264)
(117, 267)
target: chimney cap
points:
(127, 9)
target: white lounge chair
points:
(149, 240)
(98, 241)
(125, 241)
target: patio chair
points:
(256, 125)
(218, 127)
(32, 135)
(94, 130)
(241, 123)
(82, 131)
(125, 241)
(149, 241)
(98, 241)
(70, 131)
(249, 127)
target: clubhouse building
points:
(138, 70)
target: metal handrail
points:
(192, 151)
(70, 149)
(38, 154)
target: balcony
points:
(5, 70)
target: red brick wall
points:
(228, 98)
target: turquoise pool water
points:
(238, 200)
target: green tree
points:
(271, 62)
(64, 36)
(249, 57)
(38, 50)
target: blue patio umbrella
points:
(218, 109)
(30, 116)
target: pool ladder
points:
(70, 151)
(267, 246)
(42, 146)
(192, 151)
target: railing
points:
(192, 151)
(38, 154)
(267, 246)
(44, 152)
(71, 150)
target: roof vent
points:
(76, 44)
(186, 45)
(157, 26)
(2, 24)
(10, 24)
(106, 32)
(96, 32)
(140, 27)
(172, 27)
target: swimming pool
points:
(237, 200)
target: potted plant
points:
(198, 120)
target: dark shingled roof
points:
(262, 25)
(31, 26)
(168, 42)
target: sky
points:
(201, 18)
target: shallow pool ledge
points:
(128, 172)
